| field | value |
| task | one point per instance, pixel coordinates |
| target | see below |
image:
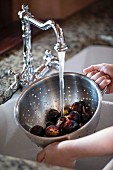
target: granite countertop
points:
(10, 163)
(91, 26)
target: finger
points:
(90, 74)
(97, 76)
(104, 83)
(97, 67)
(40, 156)
(100, 79)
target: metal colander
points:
(44, 94)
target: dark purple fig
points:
(52, 131)
(74, 115)
(49, 123)
(85, 117)
(37, 130)
(61, 120)
(77, 106)
(52, 116)
(71, 126)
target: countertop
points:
(10, 163)
(91, 26)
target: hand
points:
(57, 154)
(102, 74)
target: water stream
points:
(61, 56)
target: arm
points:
(65, 153)
(102, 74)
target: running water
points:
(61, 56)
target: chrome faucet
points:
(29, 74)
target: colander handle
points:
(104, 90)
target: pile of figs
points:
(74, 117)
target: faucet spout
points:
(27, 17)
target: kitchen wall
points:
(44, 9)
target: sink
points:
(89, 56)
(14, 142)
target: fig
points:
(37, 130)
(49, 123)
(77, 106)
(52, 116)
(74, 115)
(52, 131)
(85, 117)
(66, 125)
(69, 127)
(62, 121)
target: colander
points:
(44, 94)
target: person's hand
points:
(65, 153)
(57, 154)
(102, 74)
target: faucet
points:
(29, 74)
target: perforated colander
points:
(44, 94)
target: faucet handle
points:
(25, 7)
(49, 57)
(25, 12)
(51, 60)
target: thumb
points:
(40, 156)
